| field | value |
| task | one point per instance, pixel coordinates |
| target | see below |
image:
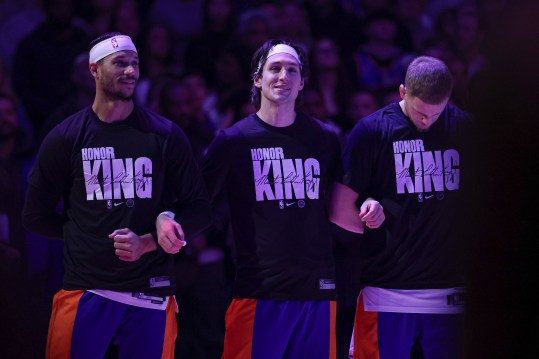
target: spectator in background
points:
(361, 104)
(127, 19)
(331, 75)
(6, 88)
(380, 62)
(459, 69)
(254, 28)
(229, 90)
(388, 96)
(440, 47)
(23, 17)
(418, 24)
(14, 151)
(445, 25)
(14, 157)
(97, 14)
(53, 46)
(294, 25)
(368, 7)
(218, 30)
(314, 105)
(328, 19)
(158, 62)
(81, 96)
(181, 103)
(469, 36)
(184, 18)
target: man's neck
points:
(112, 111)
(402, 104)
(277, 115)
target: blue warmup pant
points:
(84, 324)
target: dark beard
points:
(118, 96)
(108, 85)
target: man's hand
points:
(129, 246)
(170, 234)
(372, 213)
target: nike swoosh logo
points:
(289, 204)
(117, 204)
(427, 197)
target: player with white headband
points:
(116, 166)
(277, 166)
(111, 45)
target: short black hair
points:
(102, 37)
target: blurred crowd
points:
(195, 70)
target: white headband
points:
(110, 46)
(281, 49)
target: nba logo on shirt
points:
(114, 43)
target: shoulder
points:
(375, 121)
(455, 113)
(316, 125)
(243, 127)
(72, 125)
(457, 118)
(152, 122)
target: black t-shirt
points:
(277, 182)
(418, 178)
(112, 176)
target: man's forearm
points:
(39, 214)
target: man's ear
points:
(257, 81)
(402, 91)
(93, 70)
(301, 84)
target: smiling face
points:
(281, 80)
(117, 74)
(422, 115)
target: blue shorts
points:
(269, 329)
(388, 335)
(84, 324)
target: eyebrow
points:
(125, 57)
(424, 114)
(285, 62)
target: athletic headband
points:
(281, 49)
(110, 46)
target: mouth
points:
(127, 81)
